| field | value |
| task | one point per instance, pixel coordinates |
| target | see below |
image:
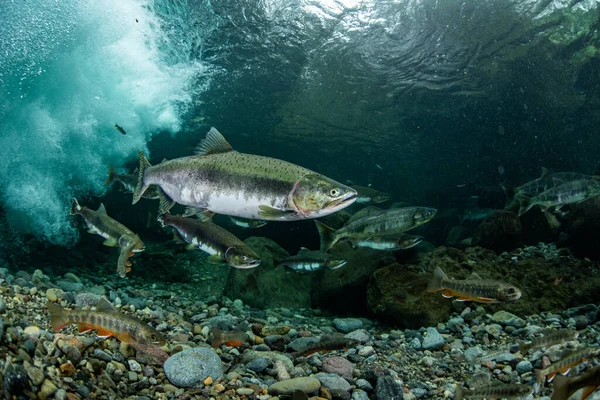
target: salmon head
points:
(241, 258)
(145, 334)
(423, 215)
(133, 243)
(316, 195)
(507, 292)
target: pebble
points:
(347, 325)
(524, 366)
(339, 366)
(2, 306)
(433, 340)
(48, 389)
(387, 388)
(101, 355)
(332, 381)
(260, 364)
(306, 384)
(494, 329)
(366, 351)
(362, 336)
(191, 367)
(134, 366)
(508, 319)
(244, 391)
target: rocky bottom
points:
(369, 361)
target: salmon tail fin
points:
(58, 317)
(141, 186)
(112, 176)
(327, 235)
(75, 207)
(561, 388)
(459, 393)
(435, 283)
(524, 347)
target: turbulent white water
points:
(68, 72)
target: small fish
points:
(491, 355)
(108, 321)
(549, 338)
(220, 244)
(224, 181)
(565, 387)
(247, 223)
(230, 339)
(567, 193)
(326, 343)
(128, 182)
(309, 261)
(120, 129)
(494, 391)
(565, 364)
(398, 242)
(378, 166)
(473, 288)
(115, 233)
(367, 194)
(371, 222)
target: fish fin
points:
(105, 306)
(273, 213)
(435, 284)
(447, 293)
(141, 187)
(213, 143)
(215, 259)
(191, 246)
(550, 376)
(203, 214)
(103, 333)
(164, 159)
(112, 175)
(483, 300)
(327, 235)
(540, 377)
(58, 316)
(349, 182)
(166, 203)
(83, 328)
(101, 209)
(587, 391)
(303, 249)
(177, 237)
(545, 171)
(524, 347)
(110, 242)
(508, 190)
(459, 393)
(126, 337)
(75, 207)
(524, 208)
(463, 298)
(557, 182)
(365, 212)
(92, 231)
(473, 276)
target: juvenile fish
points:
(230, 339)
(247, 223)
(565, 387)
(108, 321)
(115, 233)
(474, 288)
(376, 223)
(565, 364)
(494, 391)
(309, 261)
(549, 338)
(326, 343)
(128, 182)
(224, 181)
(220, 244)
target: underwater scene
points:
(300, 199)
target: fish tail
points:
(435, 283)
(327, 235)
(112, 176)
(141, 187)
(75, 207)
(459, 393)
(524, 347)
(58, 316)
(561, 388)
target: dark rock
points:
(500, 232)
(387, 389)
(259, 365)
(16, 383)
(275, 342)
(589, 311)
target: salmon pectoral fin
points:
(104, 333)
(126, 337)
(484, 300)
(82, 328)
(587, 391)
(447, 293)
(550, 376)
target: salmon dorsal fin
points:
(105, 306)
(101, 209)
(545, 171)
(365, 212)
(474, 276)
(213, 143)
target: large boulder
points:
(500, 232)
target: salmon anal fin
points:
(587, 391)
(485, 300)
(550, 376)
(447, 293)
(82, 328)
(104, 333)
(128, 269)
(463, 298)
(126, 337)
(128, 263)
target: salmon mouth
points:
(344, 201)
(251, 264)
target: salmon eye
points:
(334, 192)
(511, 290)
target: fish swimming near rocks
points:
(107, 321)
(565, 387)
(372, 222)
(221, 245)
(368, 195)
(474, 288)
(310, 261)
(564, 365)
(115, 233)
(224, 181)
(494, 391)
(247, 223)
(549, 338)
(567, 193)
(326, 342)
(231, 339)
(128, 182)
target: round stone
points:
(190, 367)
